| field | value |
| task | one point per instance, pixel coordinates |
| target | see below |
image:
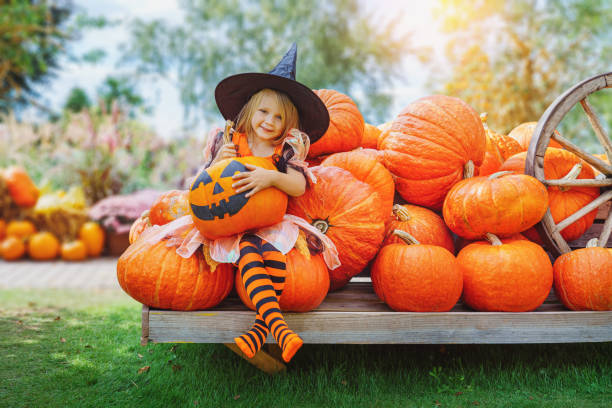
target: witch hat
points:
(233, 92)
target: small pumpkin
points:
(502, 203)
(506, 145)
(157, 276)
(523, 133)
(12, 248)
(306, 283)
(349, 212)
(563, 201)
(169, 206)
(492, 161)
(410, 277)
(507, 275)
(583, 278)
(429, 147)
(366, 167)
(346, 124)
(424, 225)
(20, 229)
(22, 189)
(73, 250)
(93, 236)
(218, 211)
(370, 136)
(43, 246)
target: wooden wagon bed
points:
(355, 315)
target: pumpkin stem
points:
(572, 175)
(483, 118)
(594, 242)
(499, 174)
(468, 169)
(401, 213)
(409, 239)
(493, 239)
(321, 225)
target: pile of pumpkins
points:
(21, 237)
(391, 197)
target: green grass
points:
(91, 357)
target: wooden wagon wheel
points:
(550, 231)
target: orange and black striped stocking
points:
(263, 270)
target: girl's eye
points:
(278, 117)
(263, 111)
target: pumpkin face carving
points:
(218, 211)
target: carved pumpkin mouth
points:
(229, 206)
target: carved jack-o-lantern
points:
(219, 212)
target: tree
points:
(513, 58)
(30, 41)
(122, 92)
(77, 100)
(338, 47)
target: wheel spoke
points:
(598, 128)
(584, 211)
(579, 183)
(605, 232)
(600, 165)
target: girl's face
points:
(267, 121)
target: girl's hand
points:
(255, 180)
(227, 151)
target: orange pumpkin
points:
(20, 229)
(158, 277)
(523, 133)
(346, 124)
(492, 161)
(2, 229)
(43, 246)
(21, 188)
(137, 228)
(218, 211)
(506, 146)
(583, 278)
(365, 167)
(417, 278)
(306, 283)
(563, 202)
(349, 212)
(169, 206)
(73, 250)
(93, 236)
(12, 248)
(424, 225)
(501, 203)
(370, 136)
(507, 275)
(430, 145)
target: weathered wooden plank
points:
(558, 326)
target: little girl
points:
(268, 110)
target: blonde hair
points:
(289, 114)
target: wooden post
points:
(144, 339)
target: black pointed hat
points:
(234, 92)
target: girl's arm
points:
(292, 183)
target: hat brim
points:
(234, 92)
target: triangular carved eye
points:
(218, 189)
(203, 178)
(233, 167)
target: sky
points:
(166, 117)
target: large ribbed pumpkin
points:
(346, 124)
(219, 212)
(366, 167)
(423, 224)
(370, 136)
(417, 278)
(583, 278)
(502, 203)
(306, 283)
(524, 132)
(563, 202)
(509, 275)
(158, 277)
(430, 145)
(349, 212)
